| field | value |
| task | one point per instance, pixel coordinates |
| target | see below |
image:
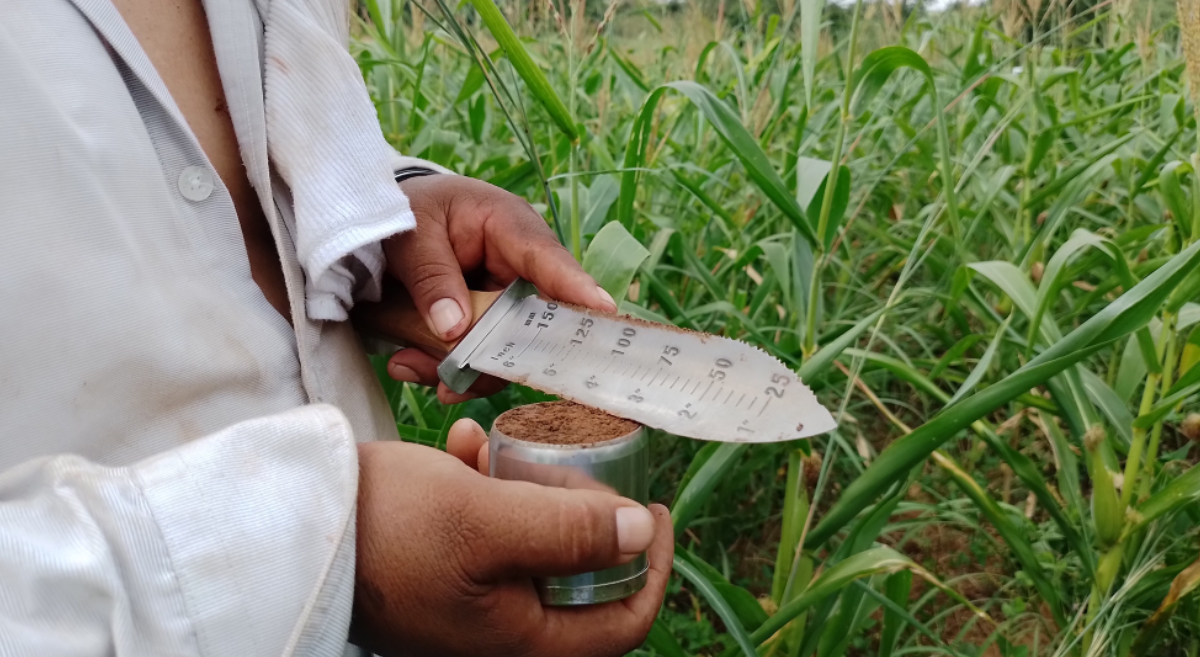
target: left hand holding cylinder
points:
(450, 571)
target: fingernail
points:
(402, 373)
(446, 314)
(606, 297)
(635, 529)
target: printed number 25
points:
(779, 380)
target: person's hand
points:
(446, 557)
(467, 228)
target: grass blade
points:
(539, 86)
(1183, 490)
(1183, 584)
(810, 35)
(613, 258)
(876, 561)
(897, 589)
(981, 368)
(1129, 312)
(689, 500)
(1013, 537)
(743, 603)
(718, 603)
(821, 361)
(729, 127)
(663, 642)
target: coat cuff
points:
(258, 522)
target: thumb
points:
(552, 532)
(424, 260)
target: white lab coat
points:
(177, 463)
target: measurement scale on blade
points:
(687, 383)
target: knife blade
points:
(684, 382)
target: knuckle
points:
(636, 638)
(505, 635)
(631, 633)
(463, 534)
(530, 214)
(642, 628)
(582, 530)
(428, 275)
(524, 217)
(547, 255)
(619, 639)
(523, 640)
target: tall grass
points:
(973, 233)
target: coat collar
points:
(111, 27)
(237, 35)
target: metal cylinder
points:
(620, 465)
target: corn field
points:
(973, 232)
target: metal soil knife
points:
(687, 383)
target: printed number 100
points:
(623, 343)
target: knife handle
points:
(395, 318)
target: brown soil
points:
(562, 423)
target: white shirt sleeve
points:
(324, 139)
(358, 274)
(238, 543)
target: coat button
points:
(195, 183)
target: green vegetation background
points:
(994, 293)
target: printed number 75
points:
(669, 351)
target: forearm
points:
(238, 543)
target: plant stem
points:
(1106, 574)
(831, 187)
(1133, 462)
(1026, 217)
(576, 238)
(786, 584)
(1168, 373)
(810, 318)
(1195, 232)
(947, 172)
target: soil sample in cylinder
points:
(563, 423)
(568, 445)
